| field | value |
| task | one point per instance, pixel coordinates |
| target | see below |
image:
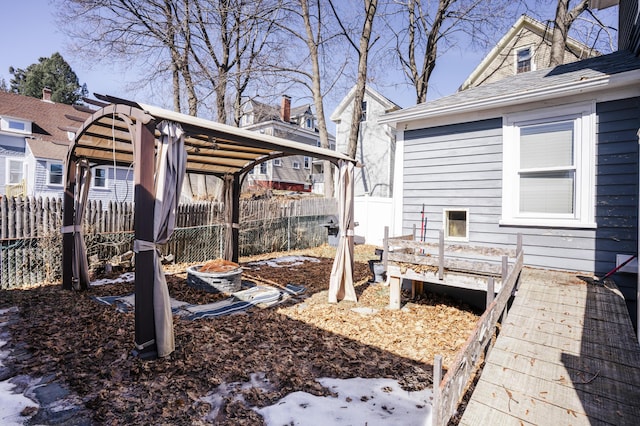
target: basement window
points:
(456, 225)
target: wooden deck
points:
(566, 355)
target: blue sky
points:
(29, 32)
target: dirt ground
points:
(88, 345)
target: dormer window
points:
(523, 60)
(15, 125)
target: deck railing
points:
(16, 190)
(448, 391)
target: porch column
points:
(144, 168)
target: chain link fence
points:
(264, 227)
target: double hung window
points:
(548, 175)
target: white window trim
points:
(445, 227)
(54, 163)
(277, 162)
(295, 165)
(515, 58)
(8, 170)
(106, 179)
(307, 163)
(5, 125)
(585, 133)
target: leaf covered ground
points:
(88, 345)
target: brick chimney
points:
(285, 109)
(46, 94)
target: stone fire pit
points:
(215, 276)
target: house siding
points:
(375, 151)
(629, 33)
(460, 166)
(504, 65)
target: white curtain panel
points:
(341, 280)
(171, 165)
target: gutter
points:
(552, 92)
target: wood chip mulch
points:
(88, 345)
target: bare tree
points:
(561, 25)
(226, 33)
(310, 61)
(362, 48)
(421, 31)
(148, 32)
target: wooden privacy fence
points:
(30, 240)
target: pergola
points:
(163, 145)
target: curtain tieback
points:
(233, 225)
(71, 229)
(349, 233)
(142, 245)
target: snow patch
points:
(356, 401)
(285, 261)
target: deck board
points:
(566, 354)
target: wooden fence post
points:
(490, 292)
(436, 412)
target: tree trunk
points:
(316, 89)
(365, 38)
(562, 24)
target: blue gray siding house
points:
(33, 146)
(551, 154)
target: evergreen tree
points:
(54, 73)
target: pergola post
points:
(235, 218)
(67, 222)
(144, 169)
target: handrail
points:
(16, 190)
(447, 391)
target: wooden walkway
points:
(566, 355)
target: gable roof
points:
(263, 112)
(49, 118)
(347, 100)
(581, 50)
(616, 69)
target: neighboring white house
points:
(33, 147)
(376, 154)
(376, 142)
(296, 173)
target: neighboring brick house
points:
(295, 173)
(33, 146)
(525, 47)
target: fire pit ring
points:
(214, 282)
